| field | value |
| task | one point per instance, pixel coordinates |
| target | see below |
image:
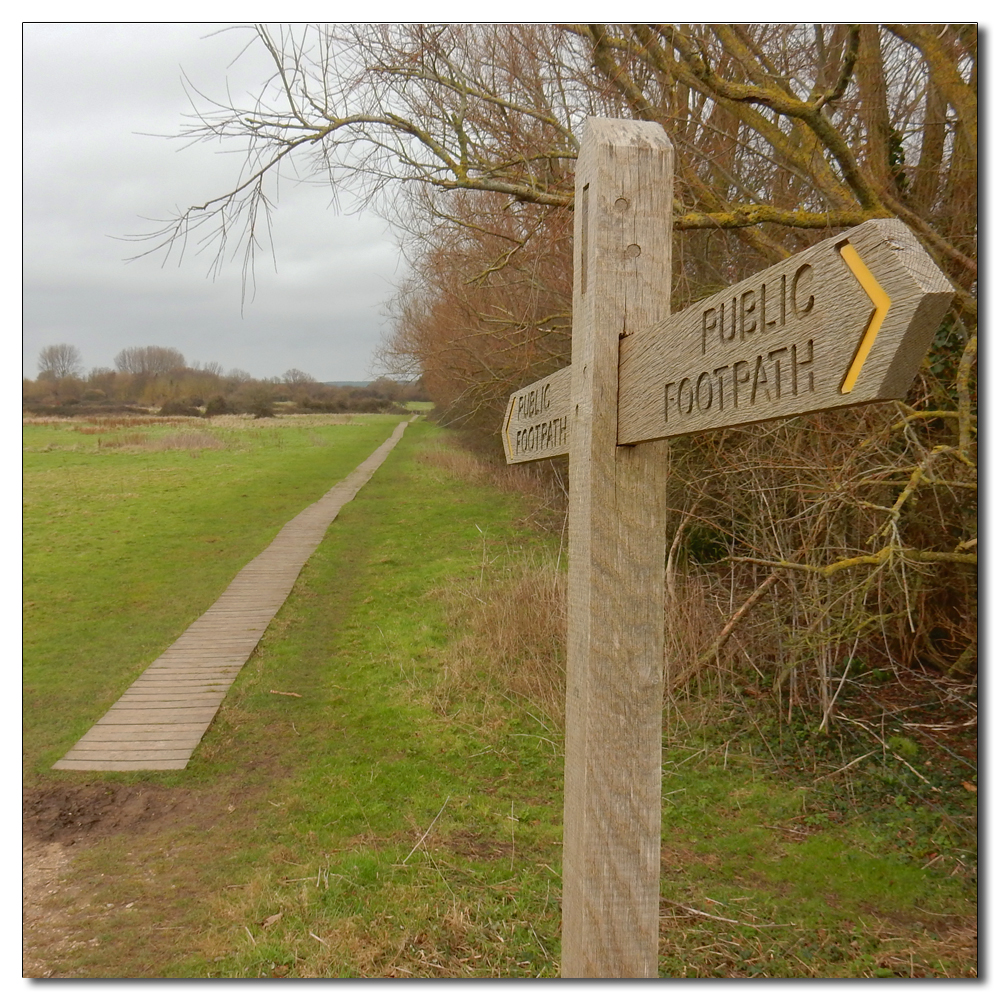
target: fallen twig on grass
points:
(885, 746)
(857, 760)
(427, 831)
(287, 694)
(713, 916)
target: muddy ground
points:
(61, 820)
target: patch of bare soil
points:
(60, 820)
(68, 814)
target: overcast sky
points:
(90, 175)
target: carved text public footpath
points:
(536, 424)
(547, 433)
(749, 317)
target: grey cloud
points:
(89, 176)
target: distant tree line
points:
(158, 379)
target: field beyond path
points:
(161, 718)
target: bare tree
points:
(804, 127)
(60, 361)
(811, 127)
(784, 133)
(148, 360)
(210, 367)
(487, 307)
(365, 106)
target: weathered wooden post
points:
(843, 323)
(617, 510)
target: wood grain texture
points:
(622, 231)
(159, 721)
(781, 342)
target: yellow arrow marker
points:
(880, 301)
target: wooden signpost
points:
(845, 322)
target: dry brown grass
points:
(745, 616)
(129, 439)
(186, 441)
(694, 617)
(512, 644)
(244, 420)
(105, 425)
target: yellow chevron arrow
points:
(881, 302)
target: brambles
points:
(177, 408)
(217, 406)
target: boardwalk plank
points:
(69, 764)
(134, 732)
(116, 745)
(131, 716)
(122, 755)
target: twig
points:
(672, 556)
(540, 945)
(249, 935)
(833, 700)
(317, 938)
(941, 726)
(726, 920)
(727, 630)
(513, 820)
(886, 747)
(883, 555)
(427, 831)
(535, 736)
(857, 760)
(287, 694)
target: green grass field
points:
(133, 528)
(374, 799)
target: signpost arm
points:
(611, 854)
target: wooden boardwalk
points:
(161, 718)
